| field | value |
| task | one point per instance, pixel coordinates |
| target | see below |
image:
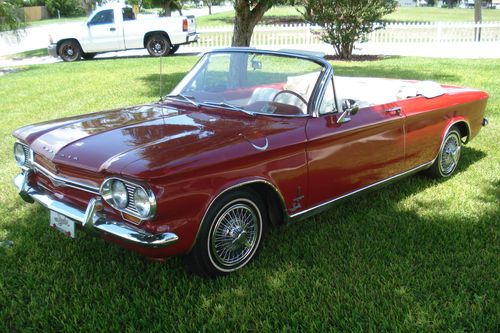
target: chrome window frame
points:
(319, 88)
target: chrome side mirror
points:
(349, 107)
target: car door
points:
(102, 32)
(344, 157)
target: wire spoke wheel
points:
(450, 154)
(235, 234)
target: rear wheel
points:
(158, 45)
(449, 155)
(70, 51)
(230, 236)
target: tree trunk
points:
(209, 8)
(87, 4)
(242, 31)
(477, 20)
(245, 20)
(167, 8)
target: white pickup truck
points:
(116, 28)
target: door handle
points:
(397, 110)
(112, 29)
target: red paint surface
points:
(188, 156)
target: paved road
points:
(38, 37)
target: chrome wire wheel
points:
(235, 235)
(450, 154)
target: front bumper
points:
(91, 219)
(52, 50)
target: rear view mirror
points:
(349, 107)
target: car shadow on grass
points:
(371, 254)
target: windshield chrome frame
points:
(318, 91)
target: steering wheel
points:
(302, 99)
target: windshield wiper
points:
(189, 99)
(228, 106)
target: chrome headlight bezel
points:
(22, 155)
(19, 154)
(106, 191)
(144, 198)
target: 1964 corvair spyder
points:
(247, 138)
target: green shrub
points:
(66, 7)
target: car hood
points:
(152, 134)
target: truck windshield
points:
(255, 82)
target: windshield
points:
(253, 82)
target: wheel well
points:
(463, 129)
(67, 40)
(151, 33)
(272, 199)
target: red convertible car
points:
(247, 139)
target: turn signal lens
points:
(185, 25)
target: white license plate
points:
(62, 224)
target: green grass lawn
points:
(57, 20)
(419, 255)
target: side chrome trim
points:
(325, 205)
(92, 220)
(263, 181)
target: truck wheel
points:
(88, 56)
(70, 51)
(174, 49)
(230, 235)
(158, 45)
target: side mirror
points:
(256, 64)
(349, 107)
(88, 24)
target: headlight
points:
(19, 154)
(119, 194)
(127, 197)
(143, 202)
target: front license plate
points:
(62, 224)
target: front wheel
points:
(230, 235)
(158, 45)
(70, 51)
(448, 157)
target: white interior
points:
(365, 91)
(375, 91)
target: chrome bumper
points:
(91, 219)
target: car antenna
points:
(161, 81)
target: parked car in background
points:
(247, 139)
(116, 28)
